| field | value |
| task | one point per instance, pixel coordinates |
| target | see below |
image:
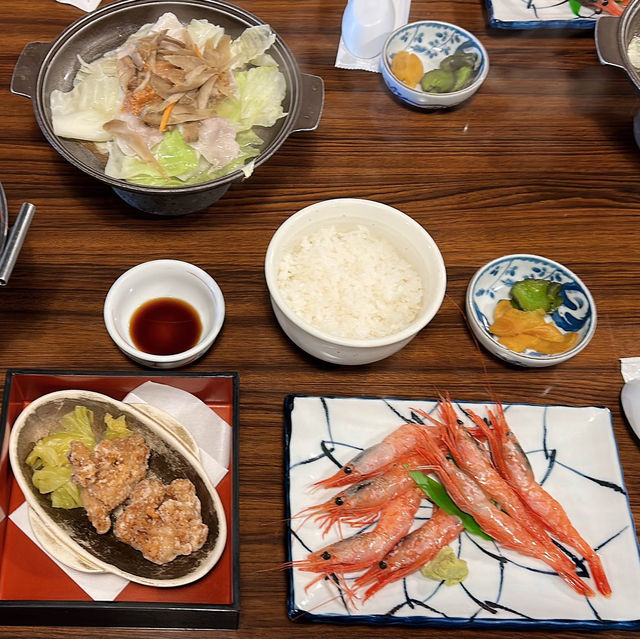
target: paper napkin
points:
(99, 586)
(85, 5)
(630, 368)
(346, 60)
(212, 433)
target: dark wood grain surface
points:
(542, 160)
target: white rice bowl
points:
(352, 281)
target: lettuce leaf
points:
(258, 102)
(49, 458)
(93, 101)
(202, 30)
(179, 161)
(175, 156)
(251, 44)
(67, 496)
(116, 427)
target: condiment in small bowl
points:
(434, 44)
(164, 313)
(352, 281)
(493, 283)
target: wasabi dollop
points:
(446, 566)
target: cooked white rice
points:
(350, 284)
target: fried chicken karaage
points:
(162, 521)
(107, 475)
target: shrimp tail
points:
(598, 574)
(575, 582)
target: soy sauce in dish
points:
(165, 326)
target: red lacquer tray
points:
(34, 590)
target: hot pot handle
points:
(606, 37)
(312, 102)
(25, 73)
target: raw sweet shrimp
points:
(360, 551)
(360, 503)
(513, 465)
(374, 459)
(474, 459)
(612, 7)
(411, 552)
(505, 530)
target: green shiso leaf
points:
(436, 492)
(575, 6)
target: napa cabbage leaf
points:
(93, 101)
(258, 100)
(50, 461)
(116, 427)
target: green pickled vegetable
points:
(462, 78)
(438, 495)
(437, 81)
(533, 294)
(454, 74)
(457, 61)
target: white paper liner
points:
(101, 587)
(346, 60)
(85, 5)
(211, 432)
(213, 436)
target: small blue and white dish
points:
(494, 280)
(524, 14)
(432, 41)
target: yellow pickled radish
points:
(407, 67)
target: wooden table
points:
(542, 160)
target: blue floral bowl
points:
(432, 41)
(492, 283)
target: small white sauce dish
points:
(164, 279)
(432, 41)
(492, 283)
(409, 240)
(366, 24)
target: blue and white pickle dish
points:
(507, 14)
(432, 41)
(492, 283)
(571, 449)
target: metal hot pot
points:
(45, 66)
(613, 36)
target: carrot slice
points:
(165, 116)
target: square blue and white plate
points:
(539, 14)
(574, 456)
